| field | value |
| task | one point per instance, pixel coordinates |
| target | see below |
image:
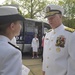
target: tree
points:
(29, 8)
(69, 8)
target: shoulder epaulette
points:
(69, 29)
(14, 46)
(49, 30)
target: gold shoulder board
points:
(69, 29)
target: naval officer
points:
(59, 45)
(10, 26)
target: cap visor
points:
(11, 18)
(51, 13)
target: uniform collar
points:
(4, 38)
(58, 29)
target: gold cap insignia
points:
(47, 9)
(50, 12)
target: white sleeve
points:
(25, 70)
(43, 65)
(44, 58)
(71, 59)
(38, 43)
(12, 64)
(44, 54)
(32, 43)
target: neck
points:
(56, 26)
(9, 36)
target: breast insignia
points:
(69, 29)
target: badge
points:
(60, 42)
(47, 9)
(58, 49)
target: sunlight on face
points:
(54, 21)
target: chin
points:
(17, 34)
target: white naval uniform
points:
(59, 60)
(25, 70)
(10, 58)
(35, 44)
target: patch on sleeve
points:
(69, 29)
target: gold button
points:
(47, 66)
(49, 48)
(51, 40)
(47, 57)
(58, 49)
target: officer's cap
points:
(50, 10)
(9, 14)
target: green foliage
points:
(69, 23)
(29, 8)
(69, 7)
(34, 9)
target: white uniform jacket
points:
(10, 58)
(59, 52)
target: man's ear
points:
(12, 26)
(60, 15)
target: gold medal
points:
(58, 49)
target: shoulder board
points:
(49, 30)
(14, 46)
(69, 29)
